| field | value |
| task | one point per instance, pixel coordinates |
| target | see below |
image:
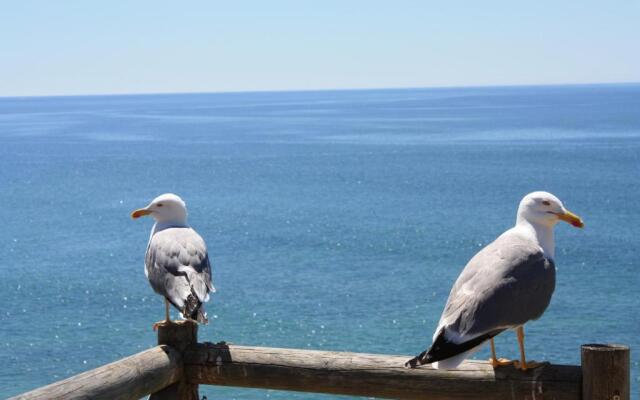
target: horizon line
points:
(178, 93)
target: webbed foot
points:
(161, 323)
(527, 365)
(500, 362)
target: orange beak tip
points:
(572, 219)
(140, 213)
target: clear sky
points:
(91, 47)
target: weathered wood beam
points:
(130, 378)
(605, 372)
(179, 335)
(372, 375)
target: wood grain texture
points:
(372, 375)
(605, 372)
(179, 335)
(130, 378)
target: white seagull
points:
(176, 262)
(505, 285)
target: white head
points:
(543, 208)
(166, 208)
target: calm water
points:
(335, 220)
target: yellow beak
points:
(571, 218)
(141, 212)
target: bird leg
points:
(494, 360)
(167, 318)
(523, 364)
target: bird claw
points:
(527, 365)
(500, 362)
(161, 323)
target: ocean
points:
(335, 220)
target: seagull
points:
(506, 284)
(176, 262)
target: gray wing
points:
(177, 265)
(506, 284)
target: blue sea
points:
(335, 220)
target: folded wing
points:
(177, 266)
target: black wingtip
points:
(417, 361)
(442, 348)
(413, 363)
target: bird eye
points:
(546, 202)
(159, 204)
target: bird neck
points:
(162, 225)
(542, 234)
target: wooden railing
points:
(175, 368)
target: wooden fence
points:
(175, 368)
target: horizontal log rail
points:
(174, 370)
(130, 378)
(373, 375)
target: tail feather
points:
(202, 315)
(194, 309)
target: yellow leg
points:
(167, 317)
(494, 360)
(523, 364)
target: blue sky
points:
(90, 47)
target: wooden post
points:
(178, 335)
(605, 372)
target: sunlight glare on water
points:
(334, 220)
